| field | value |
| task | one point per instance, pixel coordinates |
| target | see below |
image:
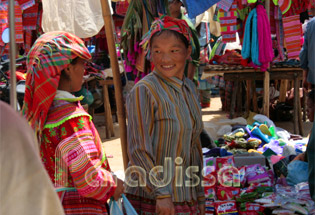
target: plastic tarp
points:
(194, 8)
(83, 18)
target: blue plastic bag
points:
(297, 172)
(116, 210)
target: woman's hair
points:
(63, 74)
(311, 95)
(175, 33)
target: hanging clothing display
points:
(250, 44)
(4, 18)
(30, 17)
(83, 18)
(264, 38)
(292, 34)
(228, 21)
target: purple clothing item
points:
(264, 38)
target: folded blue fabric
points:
(297, 172)
(195, 8)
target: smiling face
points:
(169, 54)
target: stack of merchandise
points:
(250, 190)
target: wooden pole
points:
(117, 79)
(266, 93)
(12, 54)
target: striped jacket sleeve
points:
(83, 159)
(140, 108)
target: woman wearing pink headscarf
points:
(70, 147)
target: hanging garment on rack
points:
(30, 17)
(292, 34)
(225, 5)
(264, 38)
(250, 43)
(4, 17)
(279, 33)
(25, 4)
(228, 22)
(194, 8)
(83, 18)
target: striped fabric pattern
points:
(292, 35)
(72, 154)
(30, 17)
(4, 19)
(51, 53)
(145, 206)
(228, 23)
(25, 4)
(225, 5)
(164, 121)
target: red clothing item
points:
(72, 154)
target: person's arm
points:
(83, 159)
(141, 122)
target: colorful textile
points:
(25, 4)
(30, 17)
(4, 19)
(264, 38)
(228, 22)
(284, 5)
(280, 33)
(297, 7)
(147, 206)
(159, 127)
(225, 5)
(292, 35)
(250, 44)
(28, 40)
(50, 54)
(71, 151)
(228, 28)
(166, 23)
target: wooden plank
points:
(109, 31)
(248, 95)
(255, 104)
(295, 106)
(233, 100)
(283, 90)
(239, 106)
(300, 115)
(266, 94)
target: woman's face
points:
(76, 72)
(310, 109)
(169, 55)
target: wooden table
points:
(250, 75)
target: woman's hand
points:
(202, 209)
(120, 189)
(165, 207)
(300, 157)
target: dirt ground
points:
(210, 115)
